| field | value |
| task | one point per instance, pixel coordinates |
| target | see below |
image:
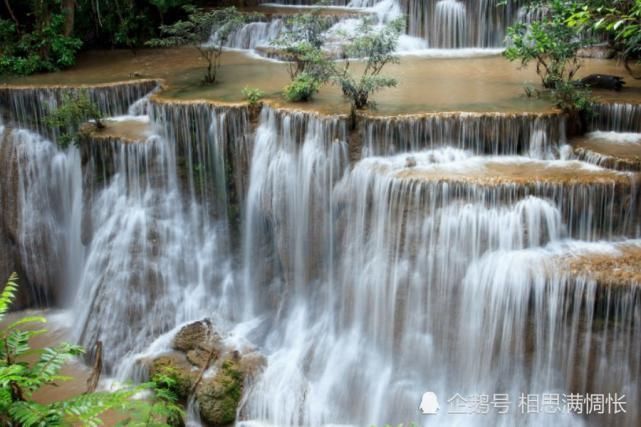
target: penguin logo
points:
(429, 404)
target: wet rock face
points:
(214, 372)
(8, 204)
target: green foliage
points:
(570, 97)
(253, 95)
(74, 110)
(302, 88)
(552, 42)
(548, 42)
(162, 408)
(8, 294)
(376, 46)
(620, 19)
(301, 44)
(41, 48)
(196, 29)
(123, 23)
(19, 379)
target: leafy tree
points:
(549, 42)
(301, 44)
(74, 111)
(196, 31)
(376, 46)
(19, 379)
(552, 43)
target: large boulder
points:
(201, 362)
(198, 340)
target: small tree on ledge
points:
(197, 30)
(377, 47)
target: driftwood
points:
(210, 356)
(92, 381)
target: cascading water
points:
(370, 265)
(437, 24)
(449, 24)
(253, 35)
(158, 253)
(43, 211)
(377, 288)
(483, 23)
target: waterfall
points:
(377, 287)
(412, 254)
(28, 106)
(253, 34)
(494, 133)
(617, 117)
(42, 210)
(468, 23)
(160, 227)
(449, 24)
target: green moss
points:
(219, 398)
(181, 374)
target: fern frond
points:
(31, 414)
(8, 294)
(26, 320)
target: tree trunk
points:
(13, 16)
(69, 9)
(94, 378)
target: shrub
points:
(301, 43)
(74, 110)
(302, 88)
(253, 95)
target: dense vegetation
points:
(46, 35)
(20, 378)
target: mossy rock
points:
(219, 397)
(192, 335)
(175, 365)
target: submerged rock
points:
(603, 81)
